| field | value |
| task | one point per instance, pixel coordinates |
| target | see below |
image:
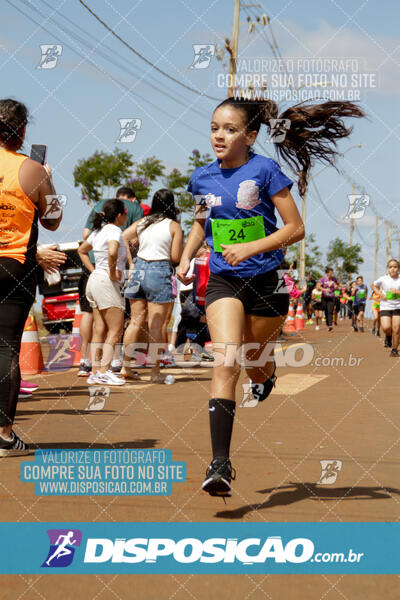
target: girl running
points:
(388, 288)
(351, 293)
(103, 289)
(328, 284)
(316, 297)
(360, 299)
(236, 197)
(376, 325)
(343, 303)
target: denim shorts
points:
(151, 281)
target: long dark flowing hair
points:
(312, 135)
(162, 207)
(111, 209)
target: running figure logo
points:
(50, 56)
(204, 204)
(97, 397)
(62, 547)
(249, 399)
(54, 205)
(357, 205)
(202, 55)
(281, 287)
(329, 471)
(128, 130)
(60, 352)
(278, 129)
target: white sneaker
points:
(317, 328)
(116, 366)
(92, 379)
(109, 378)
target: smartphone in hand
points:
(38, 153)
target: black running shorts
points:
(83, 301)
(390, 313)
(357, 308)
(261, 295)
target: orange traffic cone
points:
(289, 323)
(30, 356)
(299, 321)
(75, 345)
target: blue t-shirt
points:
(239, 193)
(357, 299)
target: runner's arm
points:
(130, 234)
(378, 289)
(194, 242)
(177, 242)
(113, 246)
(83, 252)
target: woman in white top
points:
(388, 288)
(103, 289)
(159, 237)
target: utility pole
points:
(376, 249)
(351, 219)
(388, 240)
(233, 48)
(303, 241)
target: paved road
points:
(323, 411)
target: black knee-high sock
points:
(222, 414)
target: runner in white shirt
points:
(388, 288)
(103, 289)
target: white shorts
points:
(103, 293)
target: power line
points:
(143, 57)
(112, 59)
(103, 71)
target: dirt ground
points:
(334, 412)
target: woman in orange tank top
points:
(26, 196)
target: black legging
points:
(17, 293)
(328, 304)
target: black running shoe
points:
(394, 353)
(362, 329)
(373, 331)
(388, 341)
(261, 391)
(355, 327)
(84, 369)
(218, 477)
(13, 447)
(378, 334)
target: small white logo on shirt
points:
(247, 195)
(212, 408)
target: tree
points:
(147, 172)
(141, 186)
(344, 259)
(100, 171)
(150, 168)
(313, 256)
(177, 182)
